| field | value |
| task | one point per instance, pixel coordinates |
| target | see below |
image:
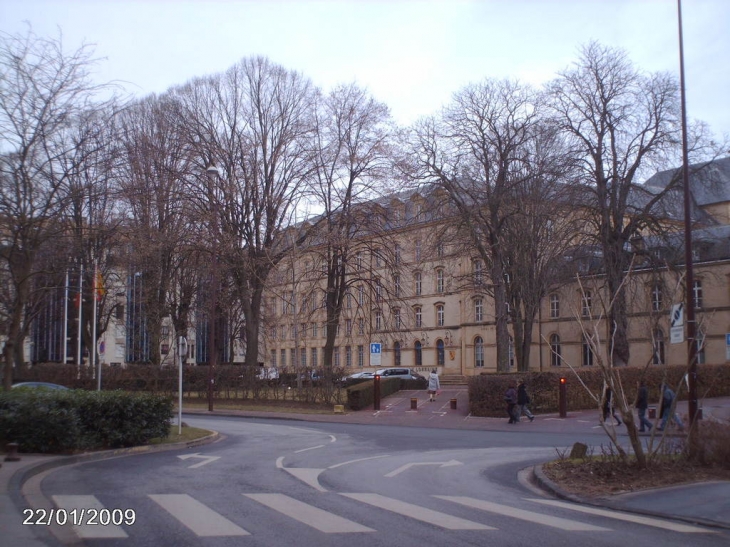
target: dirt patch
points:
(600, 478)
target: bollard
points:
(12, 453)
(339, 409)
(652, 413)
(414, 403)
(453, 404)
(376, 392)
(562, 403)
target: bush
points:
(62, 421)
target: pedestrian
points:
(642, 403)
(510, 397)
(608, 409)
(668, 397)
(523, 399)
(433, 385)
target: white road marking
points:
(84, 530)
(319, 519)
(417, 512)
(308, 476)
(638, 519)
(555, 522)
(402, 468)
(206, 459)
(308, 449)
(357, 460)
(199, 518)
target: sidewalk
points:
(704, 503)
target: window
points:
(348, 327)
(293, 331)
(555, 351)
(397, 318)
(478, 267)
(440, 249)
(656, 297)
(360, 295)
(282, 334)
(554, 306)
(283, 358)
(396, 285)
(658, 347)
(361, 326)
(439, 281)
(314, 357)
(587, 302)
(440, 315)
(360, 356)
(419, 354)
(396, 354)
(478, 352)
(378, 320)
(315, 330)
(419, 316)
(303, 357)
(293, 357)
(419, 282)
(358, 260)
(417, 250)
(348, 356)
(478, 309)
(587, 358)
(336, 356)
(348, 301)
(378, 290)
(697, 293)
(440, 354)
(303, 330)
(273, 358)
(377, 257)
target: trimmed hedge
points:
(46, 421)
(486, 392)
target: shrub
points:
(61, 421)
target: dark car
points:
(39, 385)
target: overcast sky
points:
(410, 54)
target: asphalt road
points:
(278, 482)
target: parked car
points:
(39, 385)
(358, 375)
(398, 372)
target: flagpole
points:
(93, 327)
(81, 307)
(65, 320)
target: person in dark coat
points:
(608, 409)
(510, 397)
(522, 401)
(642, 403)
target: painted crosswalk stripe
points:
(84, 530)
(530, 516)
(417, 512)
(319, 519)
(199, 518)
(637, 519)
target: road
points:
(278, 482)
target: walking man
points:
(510, 397)
(642, 403)
(522, 401)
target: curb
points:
(546, 485)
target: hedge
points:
(50, 421)
(486, 392)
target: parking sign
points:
(375, 351)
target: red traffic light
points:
(562, 381)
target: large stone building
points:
(408, 294)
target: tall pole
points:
(689, 276)
(212, 173)
(93, 327)
(80, 330)
(65, 321)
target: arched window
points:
(419, 354)
(396, 354)
(555, 350)
(440, 355)
(478, 352)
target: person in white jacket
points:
(433, 385)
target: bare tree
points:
(254, 123)
(43, 91)
(476, 151)
(620, 123)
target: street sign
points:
(676, 321)
(375, 352)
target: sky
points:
(410, 54)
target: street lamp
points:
(212, 173)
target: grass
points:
(188, 434)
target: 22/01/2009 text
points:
(80, 517)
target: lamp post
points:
(212, 174)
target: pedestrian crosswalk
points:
(204, 521)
